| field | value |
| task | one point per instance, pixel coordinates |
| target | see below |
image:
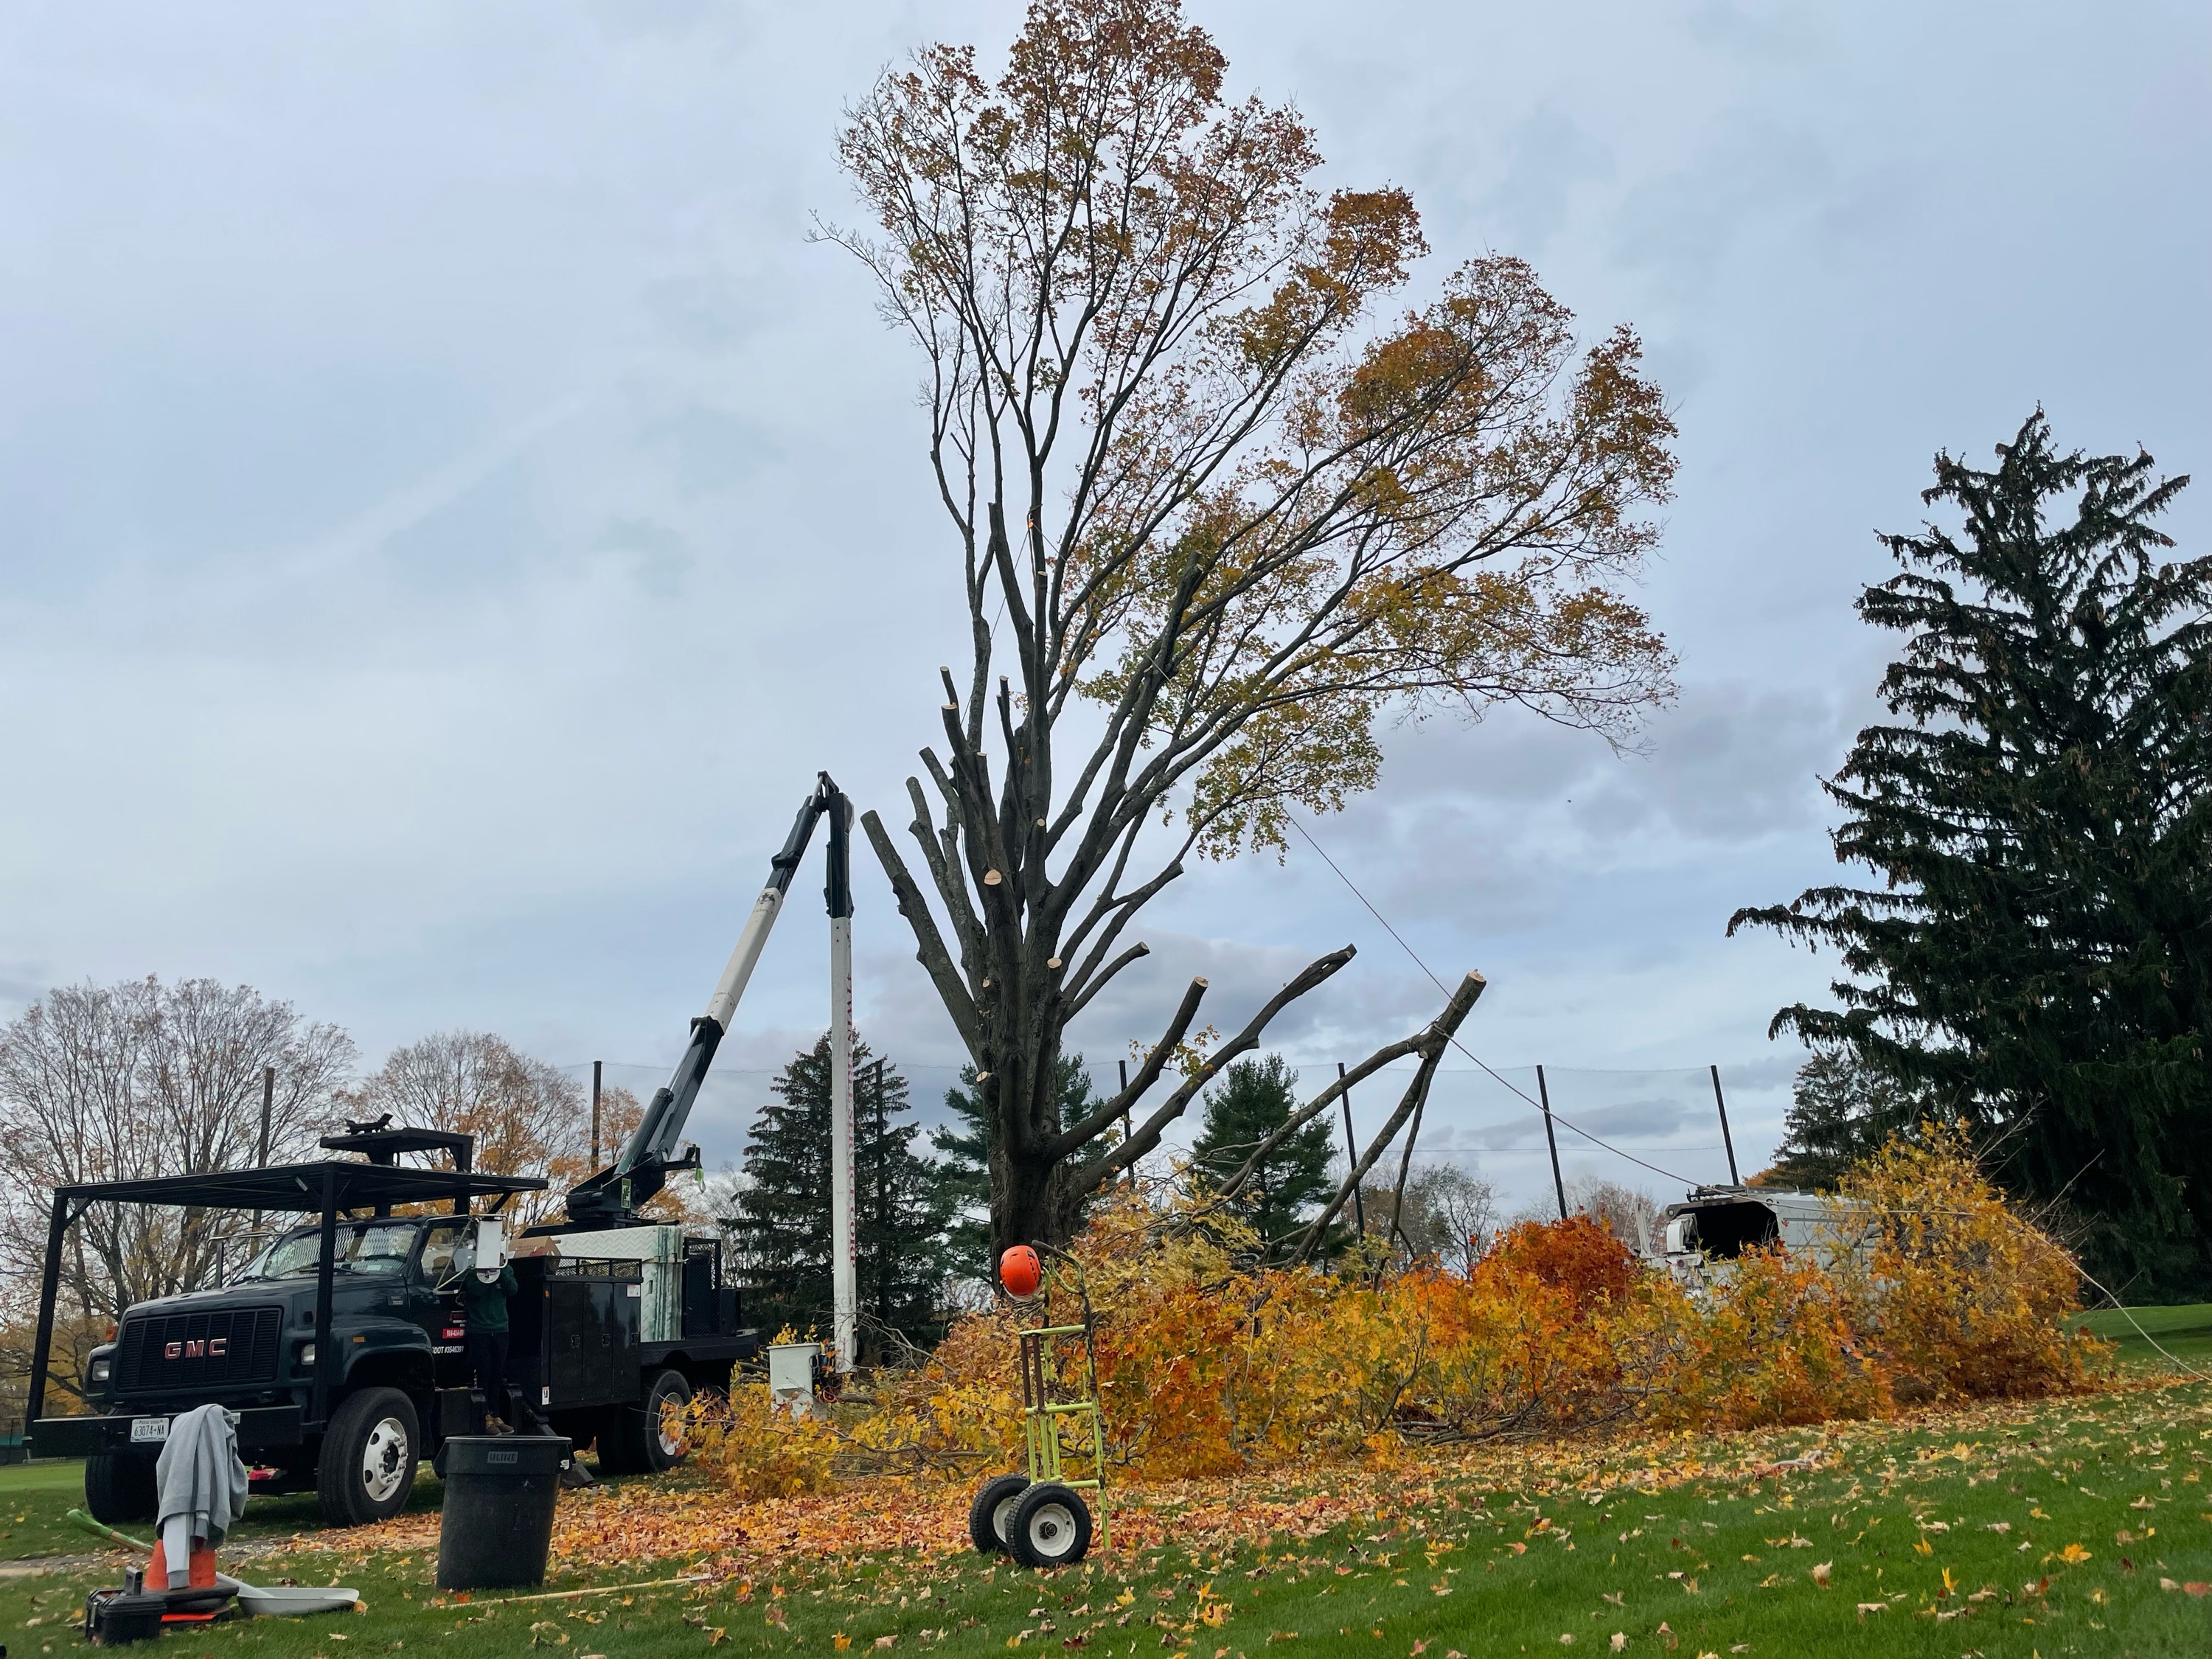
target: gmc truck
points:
(609, 1328)
(340, 1347)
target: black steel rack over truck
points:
(330, 1346)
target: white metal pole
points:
(843, 1247)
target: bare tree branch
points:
(1147, 1136)
(1434, 1041)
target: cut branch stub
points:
(1431, 1045)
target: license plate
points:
(143, 1429)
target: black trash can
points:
(498, 1520)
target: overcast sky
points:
(449, 510)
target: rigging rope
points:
(1554, 1115)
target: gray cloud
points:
(451, 513)
(1546, 154)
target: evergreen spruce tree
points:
(1842, 1111)
(779, 1222)
(963, 1157)
(1255, 1098)
(2037, 955)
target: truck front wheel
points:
(119, 1489)
(366, 1469)
(634, 1442)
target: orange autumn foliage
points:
(1208, 1365)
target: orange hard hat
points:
(1020, 1271)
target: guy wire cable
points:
(1455, 1043)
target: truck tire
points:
(119, 1489)
(630, 1439)
(365, 1469)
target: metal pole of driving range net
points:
(1352, 1152)
(1726, 1140)
(1127, 1132)
(597, 1067)
(1544, 1096)
(268, 1100)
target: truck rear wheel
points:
(119, 1489)
(366, 1469)
(638, 1442)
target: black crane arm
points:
(612, 1197)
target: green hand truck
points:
(1041, 1518)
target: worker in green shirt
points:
(484, 1292)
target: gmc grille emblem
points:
(214, 1348)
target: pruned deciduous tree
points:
(1217, 516)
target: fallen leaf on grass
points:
(1866, 1608)
(2074, 1555)
(1619, 1641)
(1823, 1573)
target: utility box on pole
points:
(791, 1376)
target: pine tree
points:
(963, 1156)
(1841, 1111)
(2038, 956)
(779, 1224)
(1255, 1098)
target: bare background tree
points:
(1451, 1214)
(136, 1080)
(1629, 1213)
(1216, 513)
(529, 1118)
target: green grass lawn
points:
(2185, 1333)
(35, 1500)
(2028, 1532)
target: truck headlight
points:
(100, 1369)
(306, 1353)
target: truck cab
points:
(250, 1346)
